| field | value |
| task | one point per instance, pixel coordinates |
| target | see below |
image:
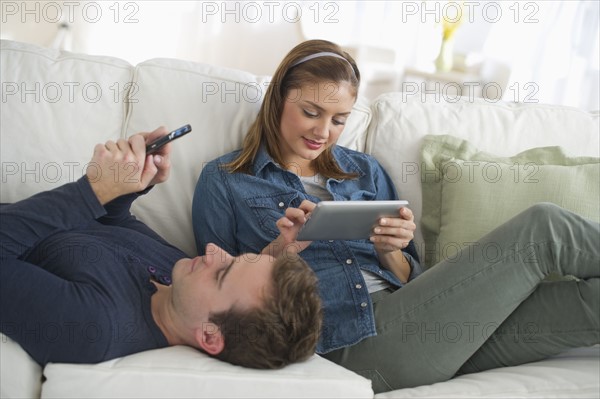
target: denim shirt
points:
(239, 211)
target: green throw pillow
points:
(467, 192)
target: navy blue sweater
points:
(75, 276)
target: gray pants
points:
(488, 307)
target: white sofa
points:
(57, 106)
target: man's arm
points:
(26, 222)
(64, 304)
(117, 165)
(116, 170)
(32, 298)
(118, 209)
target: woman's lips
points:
(313, 145)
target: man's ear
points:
(210, 339)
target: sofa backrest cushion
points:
(467, 193)
(220, 104)
(401, 121)
(55, 107)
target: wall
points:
(550, 48)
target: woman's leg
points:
(557, 316)
(428, 329)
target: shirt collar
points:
(344, 161)
(262, 159)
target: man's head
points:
(252, 310)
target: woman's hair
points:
(285, 329)
(293, 75)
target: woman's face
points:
(313, 118)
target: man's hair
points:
(285, 329)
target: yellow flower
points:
(452, 18)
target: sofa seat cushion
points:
(20, 375)
(183, 372)
(572, 374)
(467, 193)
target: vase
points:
(444, 60)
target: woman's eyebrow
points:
(224, 274)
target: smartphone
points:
(175, 134)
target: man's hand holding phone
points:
(123, 167)
(158, 143)
(160, 156)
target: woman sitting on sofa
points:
(383, 318)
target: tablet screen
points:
(347, 220)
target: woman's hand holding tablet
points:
(347, 220)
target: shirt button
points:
(152, 269)
(281, 204)
(363, 305)
(358, 286)
(166, 279)
(348, 261)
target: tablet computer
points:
(346, 220)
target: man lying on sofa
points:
(83, 281)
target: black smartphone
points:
(175, 134)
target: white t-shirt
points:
(315, 185)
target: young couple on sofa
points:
(77, 262)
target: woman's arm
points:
(289, 226)
(213, 215)
(393, 236)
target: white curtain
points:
(554, 56)
(550, 47)
(246, 35)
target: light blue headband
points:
(322, 54)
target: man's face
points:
(217, 281)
